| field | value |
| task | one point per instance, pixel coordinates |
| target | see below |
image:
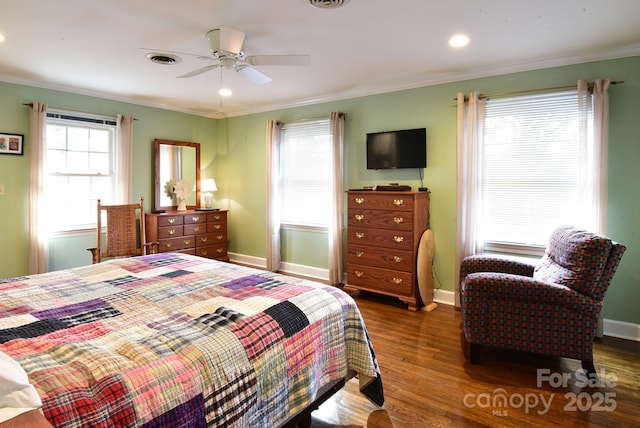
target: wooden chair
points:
(125, 235)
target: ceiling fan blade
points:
(296, 60)
(199, 71)
(257, 77)
(231, 40)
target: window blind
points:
(304, 173)
(534, 171)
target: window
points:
(79, 168)
(535, 172)
(305, 155)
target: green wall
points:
(234, 153)
(14, 170)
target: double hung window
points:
(305, 156)
(79, 168)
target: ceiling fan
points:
(227, 49)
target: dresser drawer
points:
(195, 218)
(212, 251)
(378, 279)
(216, 227)
(170, 231)
(169, 220)
(194, 228)
(396, 220)
(396, 201)
(401, 240)
(381, 257)
(174, 244)
(205, 239)
(217, 216)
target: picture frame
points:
(11, 144)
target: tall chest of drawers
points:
(193, 232)
(383, 233)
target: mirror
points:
(176, 160)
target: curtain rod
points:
(535, 91)
(59, 109)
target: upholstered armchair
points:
(549, 308)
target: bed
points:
(177, 340)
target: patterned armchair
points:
(550, 308)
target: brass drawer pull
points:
(220, 250)
(204, 253)
(398, 220)
(216, 217)
(398, 202)
(217, 226)
(204, 239)
(187, 241)
(359, 253)
(195, 218)
(220, 237)
(171, 220)
(398, 239)
(196, 229)
(168, 245)
(359, 235)
(172, 231)
(359, 201)
(359, 273)
(397, 281)
(359, 217)
(398, 259)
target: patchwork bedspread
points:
(176, 340)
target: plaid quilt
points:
(174, 340)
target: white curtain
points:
(274, 129)
(594, 100)
(124, 156)
(336, 198)
(470, 126)
(38, 234)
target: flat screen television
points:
(397, 149)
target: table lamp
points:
(208, 185)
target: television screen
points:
(397, 149)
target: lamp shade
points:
(208, 185)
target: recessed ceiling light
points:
(1, 38)
(458, 41)
(225, 92)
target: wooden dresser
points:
(384, 230)
(203, 233)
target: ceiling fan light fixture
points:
(162, 58)
(327, 4)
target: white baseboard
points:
(290, 268)
(613, 328)
(256, 262)
(622, 330)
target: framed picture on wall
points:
(11, 144)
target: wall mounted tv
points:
(397, 149)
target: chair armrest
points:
(487, 263)
(95, 255)
(489, 286)
(151, 247)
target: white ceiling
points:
(99, 47)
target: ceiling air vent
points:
(164, 59)
(327, 4)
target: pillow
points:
(574, 258)
(17, 395)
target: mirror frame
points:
(159, 187)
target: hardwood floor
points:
(428, 380)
